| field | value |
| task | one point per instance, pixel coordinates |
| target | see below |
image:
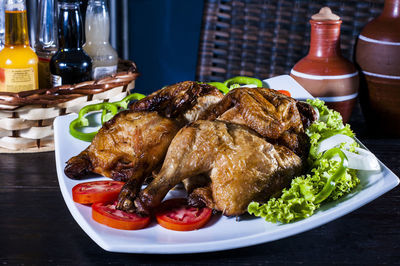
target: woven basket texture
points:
(26, 118)
(267, 38)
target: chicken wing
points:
(182, 101)
(275, 116)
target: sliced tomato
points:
(176, 214)
(96, 191)
(107, 214)
(285, 92)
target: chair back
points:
(266, 38)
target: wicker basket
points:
(264, 38)
(26, 118)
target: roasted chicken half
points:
(134, 143)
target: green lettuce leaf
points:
(330, 123)
(297, 201)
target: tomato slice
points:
(96, 191)
(175, 214)
(285, 92)
(107, 214)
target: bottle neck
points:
(97, 24)
(391, 8)
(47, 26)
(325, 38)
(16, 24)
(69, 26)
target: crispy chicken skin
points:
(241, 164)
(273, 115)
(128, 146)
(264, 110)
(134, 143)
(185, 100)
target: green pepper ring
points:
(331, 182)
(125, 101)
(108, 111)
(243, 80)
(220, 86)
(82, 121)
(123, 104)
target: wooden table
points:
(37, 228)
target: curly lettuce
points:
(329, 123)
(299, 200)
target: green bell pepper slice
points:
(331, 182)
(123, 104)
(125, 101)
(82, 121)
(220, 86)
(230, 83)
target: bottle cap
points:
(325, 14)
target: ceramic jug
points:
(378, 56)
(324, 72)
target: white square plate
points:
(221, 233)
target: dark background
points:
(163, 40)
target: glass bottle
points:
(82, 6)
(18, 61)
(97, 46)
(70, 64)
(46, 40)
(2, 27)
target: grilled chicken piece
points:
(273, 115)
(127, 146)
(183, 101)
(134, 143)
(241, 164)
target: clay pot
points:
(324, 72)
(378, 56)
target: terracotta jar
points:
(378, 56)
(324, 72)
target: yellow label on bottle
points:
(17, 79)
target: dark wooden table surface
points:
(36, 227)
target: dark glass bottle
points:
(70, 64)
